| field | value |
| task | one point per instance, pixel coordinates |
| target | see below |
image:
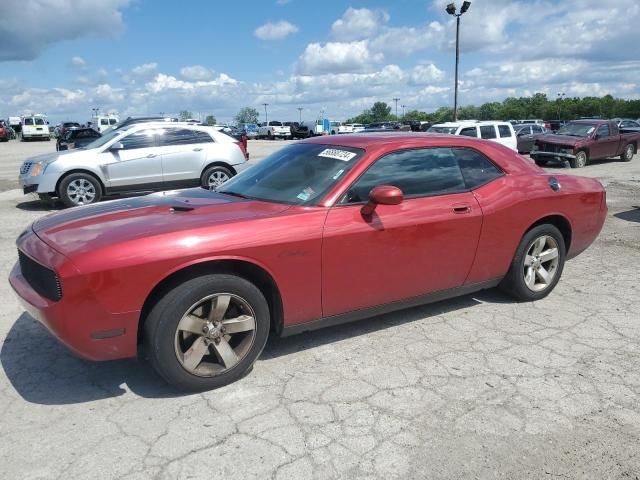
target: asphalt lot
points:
(477, 387)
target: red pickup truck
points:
(580, 141)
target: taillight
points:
(243, 149)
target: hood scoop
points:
(181, 208)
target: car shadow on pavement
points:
(632, 215)
(40, 206)
(44, 371)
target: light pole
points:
(300, 114)
(403, 106)
(266, 117)
(95, 111)
(451, 10)
(396, 99)
(560, 97)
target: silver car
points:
(141, 158)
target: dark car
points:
(627, 124)
(526, 134)
(76, 138)
(64, 128)
(5, 134)
(553, 125)
(297, 130)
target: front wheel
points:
(215, 176)
(537, 264)
(627, 154)
(79, 189)
(581, 159)
(207, 332)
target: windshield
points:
(39, 121)
(299, 174)
(449, 130)
(576, 129)
(113, 121)
(28, 121)
(98, 142)
(275, 124)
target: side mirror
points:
(116, 146)
(382, 195)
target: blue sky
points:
(136, 57)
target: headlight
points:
(37, 169)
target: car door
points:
(138, 165)
(605, 144)
(425, 244)
(183, 153)
(525, 139)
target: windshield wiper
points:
(233, 194)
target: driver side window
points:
(603, 131)
(141, 139)
(418, 173)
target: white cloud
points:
(275, 31)
(426, 74)
(145, 69)
(408, 40)
(196, 72)
(337, 57)
(358, 23)
(27, 27)
(78, 61)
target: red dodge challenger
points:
(324, 231)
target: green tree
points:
(210, 120)
(185, 115)
(247, 115)
(380, 112)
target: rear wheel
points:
(215, 176)
(540, 162)
(537, 265)
(627, 154)
(207, 332)
(581, 160)
(79, 189)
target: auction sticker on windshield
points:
(343, 155)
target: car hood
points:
(560, 139)
(84, 229)
(48, 158)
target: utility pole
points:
(560, 97)
(403, 106)
(266, 117)
(396, 99)
(300, 114)
(451, 10)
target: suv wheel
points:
(581, 160)
(207, 332)
(79, 189)
(627, 154)
(215, 176)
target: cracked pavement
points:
(475, 387)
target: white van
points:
(34, 126)
(104, 123)
(500, 132)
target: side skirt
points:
(387, 307)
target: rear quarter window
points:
(487, 132)
(504, 131)
(477, 170)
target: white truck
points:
(273, 129)
(102, 123)
(34, 127)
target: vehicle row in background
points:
(500, 132)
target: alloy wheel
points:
(215, 334)
(541, 263)
(217, 178)
(81, 191)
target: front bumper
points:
(77, 320)
(551, 156)
(43, 183)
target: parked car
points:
(537, 121)
(355, 127)
(581, 141)
(5, 134)
(500, 132)
(526, 135)
(144, 157)
(35, 127)
(273, 129)
(297, 130)
(62, 129)
(102, 123)
(553, 125)
(76, 138)
(15, 123)
(250, 129)
(301, 240)
(627, 124)
(236, 133)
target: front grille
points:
(25, 168)
(42, 280)
(549, 147)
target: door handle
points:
(197, 149)
(462, 209)
(151, 155)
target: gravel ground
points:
(477, 387)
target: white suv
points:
(500, 132)
(141, 158)
(35, 126)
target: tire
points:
(540, 162)
(185, 339)
(88, 190)
(214, 176)
(269, 135)
(581, 160)
(525, 282)
(628, 153)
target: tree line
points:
(536, 106)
